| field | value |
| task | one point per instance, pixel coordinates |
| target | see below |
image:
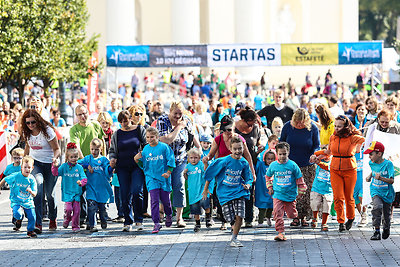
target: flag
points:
(3, 151)
(93, 83)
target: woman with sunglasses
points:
(42, 146)
(343, 169)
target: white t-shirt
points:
(40, 148)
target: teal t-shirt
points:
(322, 182)
(262, 199)
(196, 182)
(70, 190)
(156, 161)
(284, 182)
(10, 169)
(18, 184)
(378, 187)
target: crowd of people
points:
(219, 151)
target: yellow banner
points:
(309, 54)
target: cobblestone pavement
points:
(176, 247)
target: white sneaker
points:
(236, 243)
(364, 218)
(126, 228)
(139, 226)
(260, 225)
(269, 223)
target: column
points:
(185, 21)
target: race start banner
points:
(128, 56)
(309, 54)
(244, 55)
(178, 56)
(360, 53)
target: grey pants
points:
(381, 207)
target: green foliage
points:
(44, 39)
(378, 20)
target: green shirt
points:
(83, 135)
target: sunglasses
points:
(32, 107)
(30, 122)
(138, 114)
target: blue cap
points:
(206, 138)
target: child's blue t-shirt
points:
(262, 199)
(196, 182)
(230, 174)
(258, 99)
(98, 186)
(70, 190)
(322, 182)
(205, 154)
(10, 169)
(18, 184)
(378, 187)
(284, 182)
(156, 161)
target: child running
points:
(17, 155)
(263, 200)
(284, 188)
(98, 188)
(194, 173)
(23, 189)
(73, 178)
(157, 161)
(234, 179)
(381, 189)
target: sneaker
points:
(53, 225)
(87, 227)
(65, 225)
(168, 221)
(119, 219)
(376, 236)
(269, 223)
(349, 224)
(385, 233)
(260, 225)
(139, 226)
(364, 219)
(38, 229)
(341, 227)
(93, 229)
(236, 243)
(223, 227)
(280, 237)
(208, 223)
(76, 230)
(314, 223)
(31, 234)
(324, 228)
(248, 225)
(197, 228)
(17, 224)
(104, 225)
(156, 228)
(126, 228)
(45, 218)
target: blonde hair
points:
(194, 150)
(392, 99)
(277, 120)
(301, 115)
(138, 107)
(175, 105)
(152, 130)
(70, 151)
(200, 106)
(28, 159)
(97, 142)
(17, 152)
(105, 116)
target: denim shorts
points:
(196, 207)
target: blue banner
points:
(360, 53)
(128, 56)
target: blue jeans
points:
(131, 191)
(18, 213)
(118, 201)
(46, 182)
(93, 207)
(178, 186)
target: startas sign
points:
(310, 54)
(360, 53)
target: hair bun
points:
(71, 146)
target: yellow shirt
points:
(325, 134)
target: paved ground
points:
(171, 247)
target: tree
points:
(378, 20)
(44, 39)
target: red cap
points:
(375, 146)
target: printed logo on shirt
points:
(196, 170)
(359, 165)
(379, 183)
(232, 177)
(283, 178)
(22, 193)
(324, 176)
(154, 158)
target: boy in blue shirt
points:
(287, 181)
(194, 173)
(23, 189)
(381, 189)
(205, 142)
(17, 155)
(234, 179)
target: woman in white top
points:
(42, 146)
(202, 117)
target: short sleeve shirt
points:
(40, 149)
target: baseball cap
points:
(206, 138)
(375, 146)
(239, 106)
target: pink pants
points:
(279, 210)
(72, 211)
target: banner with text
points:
(228, 55)
(309, 54)
(360, 53)
(128, 56)
(178, 56)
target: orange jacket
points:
(343, 151)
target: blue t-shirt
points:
(196, 182)
(156, 161)
(230, 174)
(10, 169)
(258, 99)
(262, 199)
(322, 182)
(284, 183)
(61, 122)
(18, 184)
(70, 190)
(98, 186)
(378, 187)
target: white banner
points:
(230, 55)
(392, 153)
